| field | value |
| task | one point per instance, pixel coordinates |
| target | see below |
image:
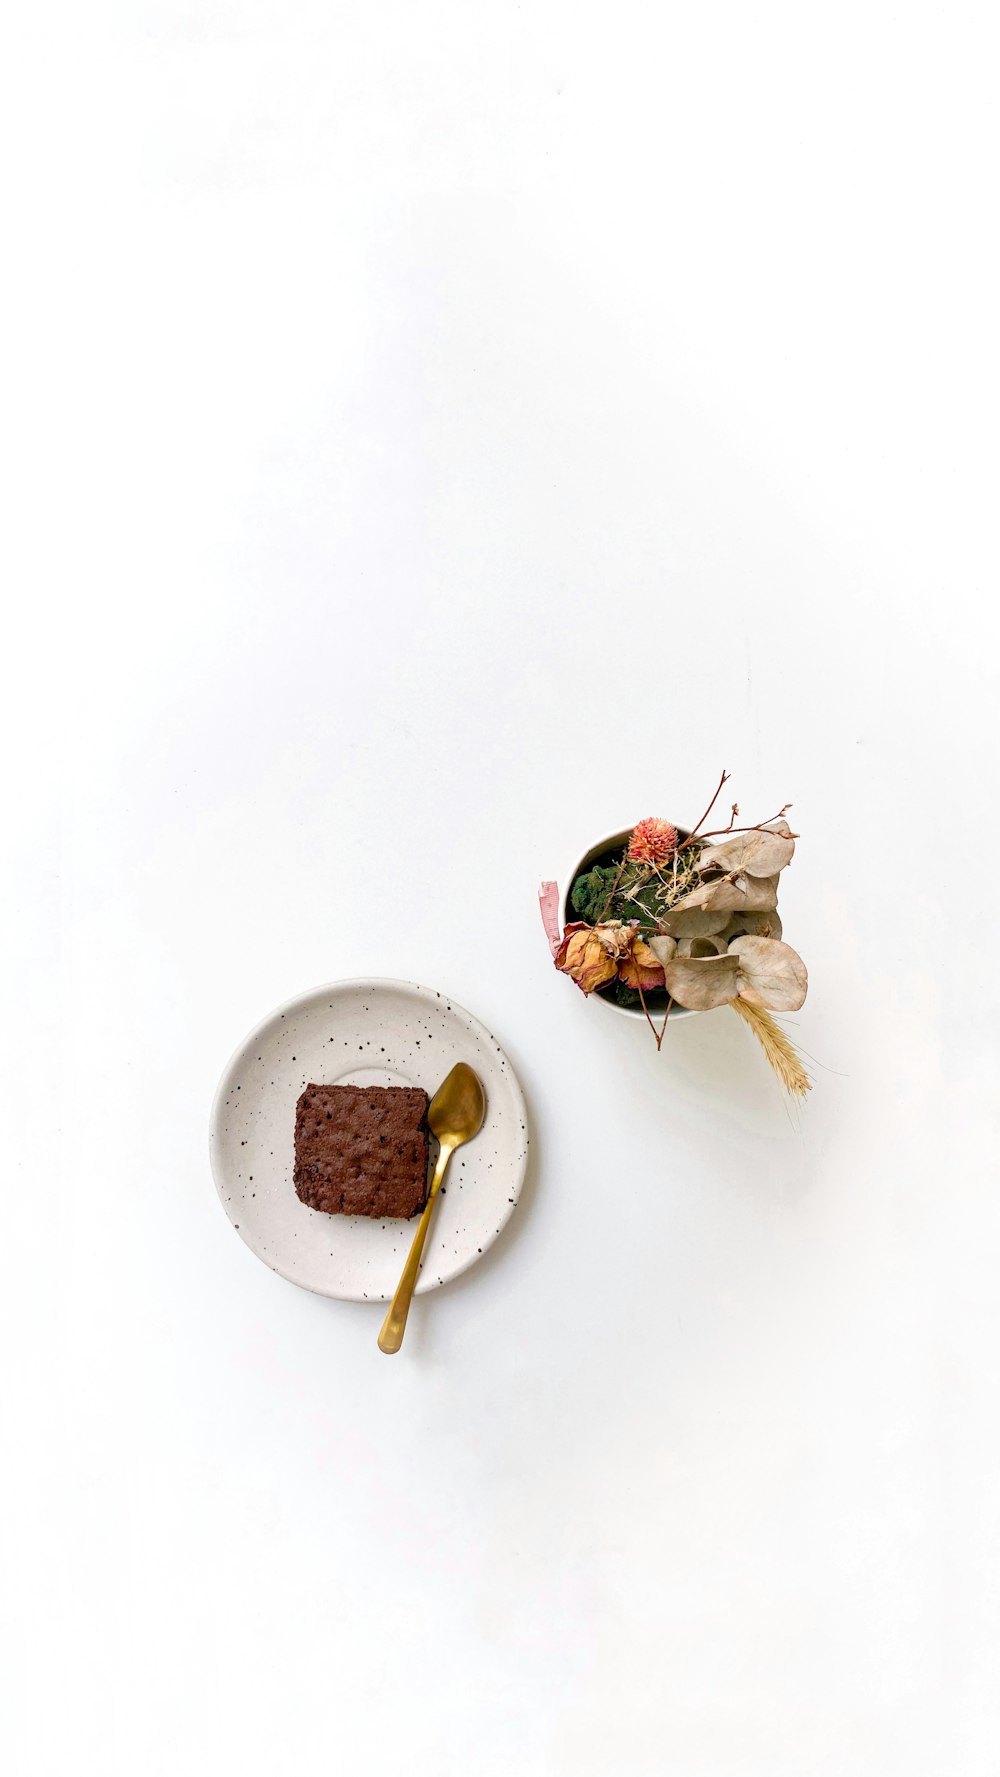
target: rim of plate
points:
(338, 987)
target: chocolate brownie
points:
(362, 1150)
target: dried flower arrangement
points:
(689, 919)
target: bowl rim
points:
(610, 841)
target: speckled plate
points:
(362, 1033)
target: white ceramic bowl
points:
(610, 842)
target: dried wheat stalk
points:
(779, 1049)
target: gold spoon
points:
(455, 1116)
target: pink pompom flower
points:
(652, 842)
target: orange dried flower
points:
(594, 955)
(652, 842)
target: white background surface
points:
(439, 433)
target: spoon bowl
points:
(458, 1107)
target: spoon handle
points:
(394, 1325)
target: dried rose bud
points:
(641, 967)
(652, 842)
(594, 955)
(585, 956)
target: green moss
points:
(591, 893)
(608, 892)
(626, 996)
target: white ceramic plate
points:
(362, 1033)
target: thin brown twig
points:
(694, 830)
(658, 1035)
(751, 827)
(606, 909)
(642, 1001)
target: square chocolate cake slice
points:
(362, 1150)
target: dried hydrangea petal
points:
(762, 852)
(709, 946)
(750, 894)
(694, 922)
(663, 948)
(771, 974)
(703, 982)
(760, 925)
